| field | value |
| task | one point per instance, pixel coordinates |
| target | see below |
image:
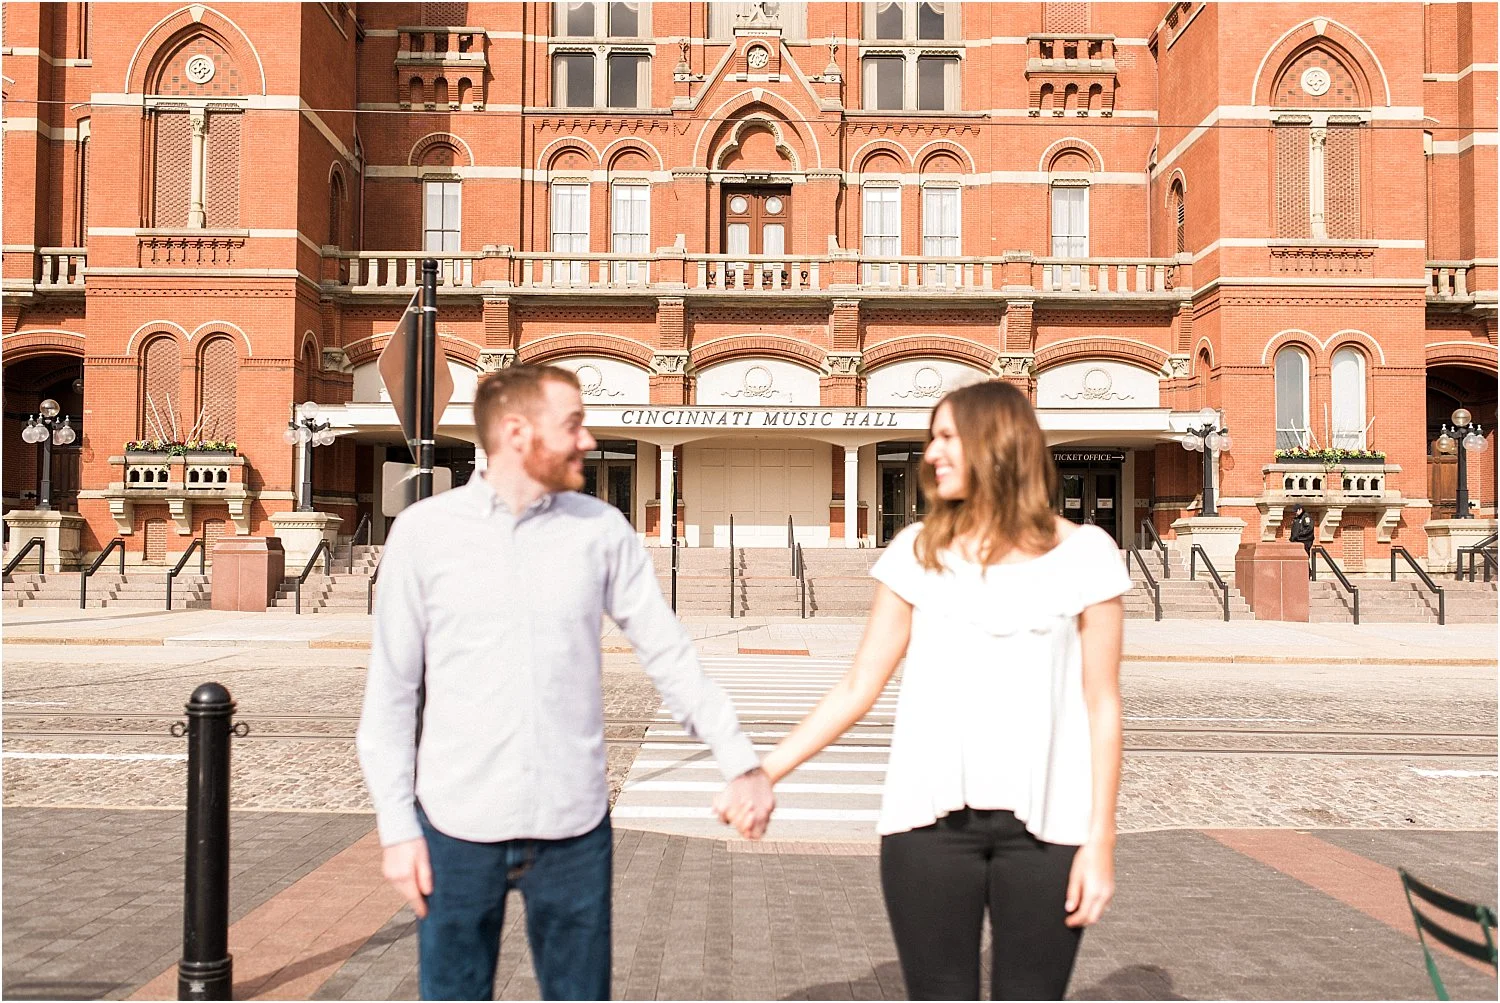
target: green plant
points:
(172, 448)
(1328, 455)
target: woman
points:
(1005, 759)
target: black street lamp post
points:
(306, 429)
(48, 428)
(1467, 437)
(1209, 439)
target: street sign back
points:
(400, 370)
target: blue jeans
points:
(566, 886)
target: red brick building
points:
(768, 236)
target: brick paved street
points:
(1245, 783)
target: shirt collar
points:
(489, 499)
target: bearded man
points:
(482, 736)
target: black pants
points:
(938, 880)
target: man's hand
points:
(409, 871)
(746, 803)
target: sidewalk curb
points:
(356, 644)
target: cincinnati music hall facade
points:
(767, 237)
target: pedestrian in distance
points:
(482, 733)
(1302, 530)
(1005, 757)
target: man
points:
(491, 598)
(1302, 528)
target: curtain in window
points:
(883, 83)
(1291, 399)
(1348, 399)
(722, 15)
(570, 231)
(629, 80)
(441, 216)
(575, 19)
(882, 232)
(630, 229)
(573, 80)
(940, 223)
(887, 20)
(1070, 231)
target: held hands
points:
(409, 871)
(1091, 883)
(746, 803)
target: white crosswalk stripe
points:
(834, 797)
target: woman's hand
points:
(1091, 883)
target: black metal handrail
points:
(327, 552)
(1150, 578)
(37, 543)
(202, 550)
(1422, 574)
(801, 570)
(791, 543)
(1338, 573)
(1156, 544)
(1213, 572)
(364, 526)
(1484, 548)
(674, 572)
(731, 567)
(370, 591)
(83, 579)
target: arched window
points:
(1179, 212)
(1291, 399)
(1318, 144)
(336, 210)
(218, 365)
(161, 370)
(195, 134)
(1348, 377)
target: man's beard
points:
(552, 470)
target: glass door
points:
(1088, 492)
(609, 475)
(755, 224)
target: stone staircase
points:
(139, 588)
(1182, 598)
(341, 592)
(1405, 600)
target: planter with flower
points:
(1330, 457)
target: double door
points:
(1089, 494)
(609, 475)
(901, 500)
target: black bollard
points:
(206, 971)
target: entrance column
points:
(851, 496)
(667, 499)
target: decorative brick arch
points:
(1292, 336)
(632, 144)
(927, 151)
(368, 349)
(436, 140)
(1071, 145)
(43, 341)
(930, 346)
(561, 346)
(877, 147)
(1365, 342)
(560, 148)
(1134, 353)
(1351, 51)
(769, 105)
(729, 141)
(1471, 355)
(171, 31)
(768, 346)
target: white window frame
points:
(886, 273)
(446, 185)
(632, 241)
(1347, 436)
(942, 245)
(1291, 436)
(600, 21)
(566, 272)
(953, 92)
(1074, 274)
(600, 56)
(952, 24)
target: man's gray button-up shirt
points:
(503, 613)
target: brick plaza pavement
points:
(1261, 873)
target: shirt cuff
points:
(736, 756)
(398, 825)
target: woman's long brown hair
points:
(1010, 479)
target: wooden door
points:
(756, 221)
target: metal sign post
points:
(414, 369)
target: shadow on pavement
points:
(883, 982)
(48, 989)
(1133, 982)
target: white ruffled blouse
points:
(991, 712)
